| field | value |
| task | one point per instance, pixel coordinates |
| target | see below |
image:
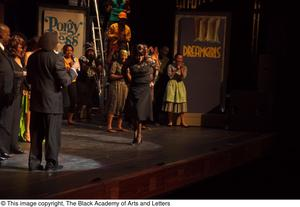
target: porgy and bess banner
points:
(69, 23)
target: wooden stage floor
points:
(98, 164)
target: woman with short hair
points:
(71, 62)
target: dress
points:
(25, 104)
(118, 91)
(24, 110)
(16, 105)
(139, 97)
(175, 98)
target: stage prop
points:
(69, 22)
(203, 39)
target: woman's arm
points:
(171, 73)
(183, 71)
(128, 74)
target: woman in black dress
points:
(140, 75)
(16, 49)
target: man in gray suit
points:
(47, 75)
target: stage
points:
(98, 164)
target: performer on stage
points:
(117, 94)
(139, 108)
(88, 81)
(152, 58)
(47, 75)
(24, 133)
(71, 62)
(119, 36)
(175, 99)
(16, 50)
(114, 7)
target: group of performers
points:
(36, 85)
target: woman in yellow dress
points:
(175, 99)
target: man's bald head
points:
(4, 34)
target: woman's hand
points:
(76, 65)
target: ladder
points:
(97, 35)
(98, 47)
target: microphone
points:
(73, 58)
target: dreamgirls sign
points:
(203, 39)
(69, 23)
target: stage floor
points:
(90, 155)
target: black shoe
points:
(52, 167)
(17, 151)
(5, 155)
(35, 168)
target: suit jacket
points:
(47, 75)
(6, 99)
(6, 79)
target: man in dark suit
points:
(47, 75)
(6, 91)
